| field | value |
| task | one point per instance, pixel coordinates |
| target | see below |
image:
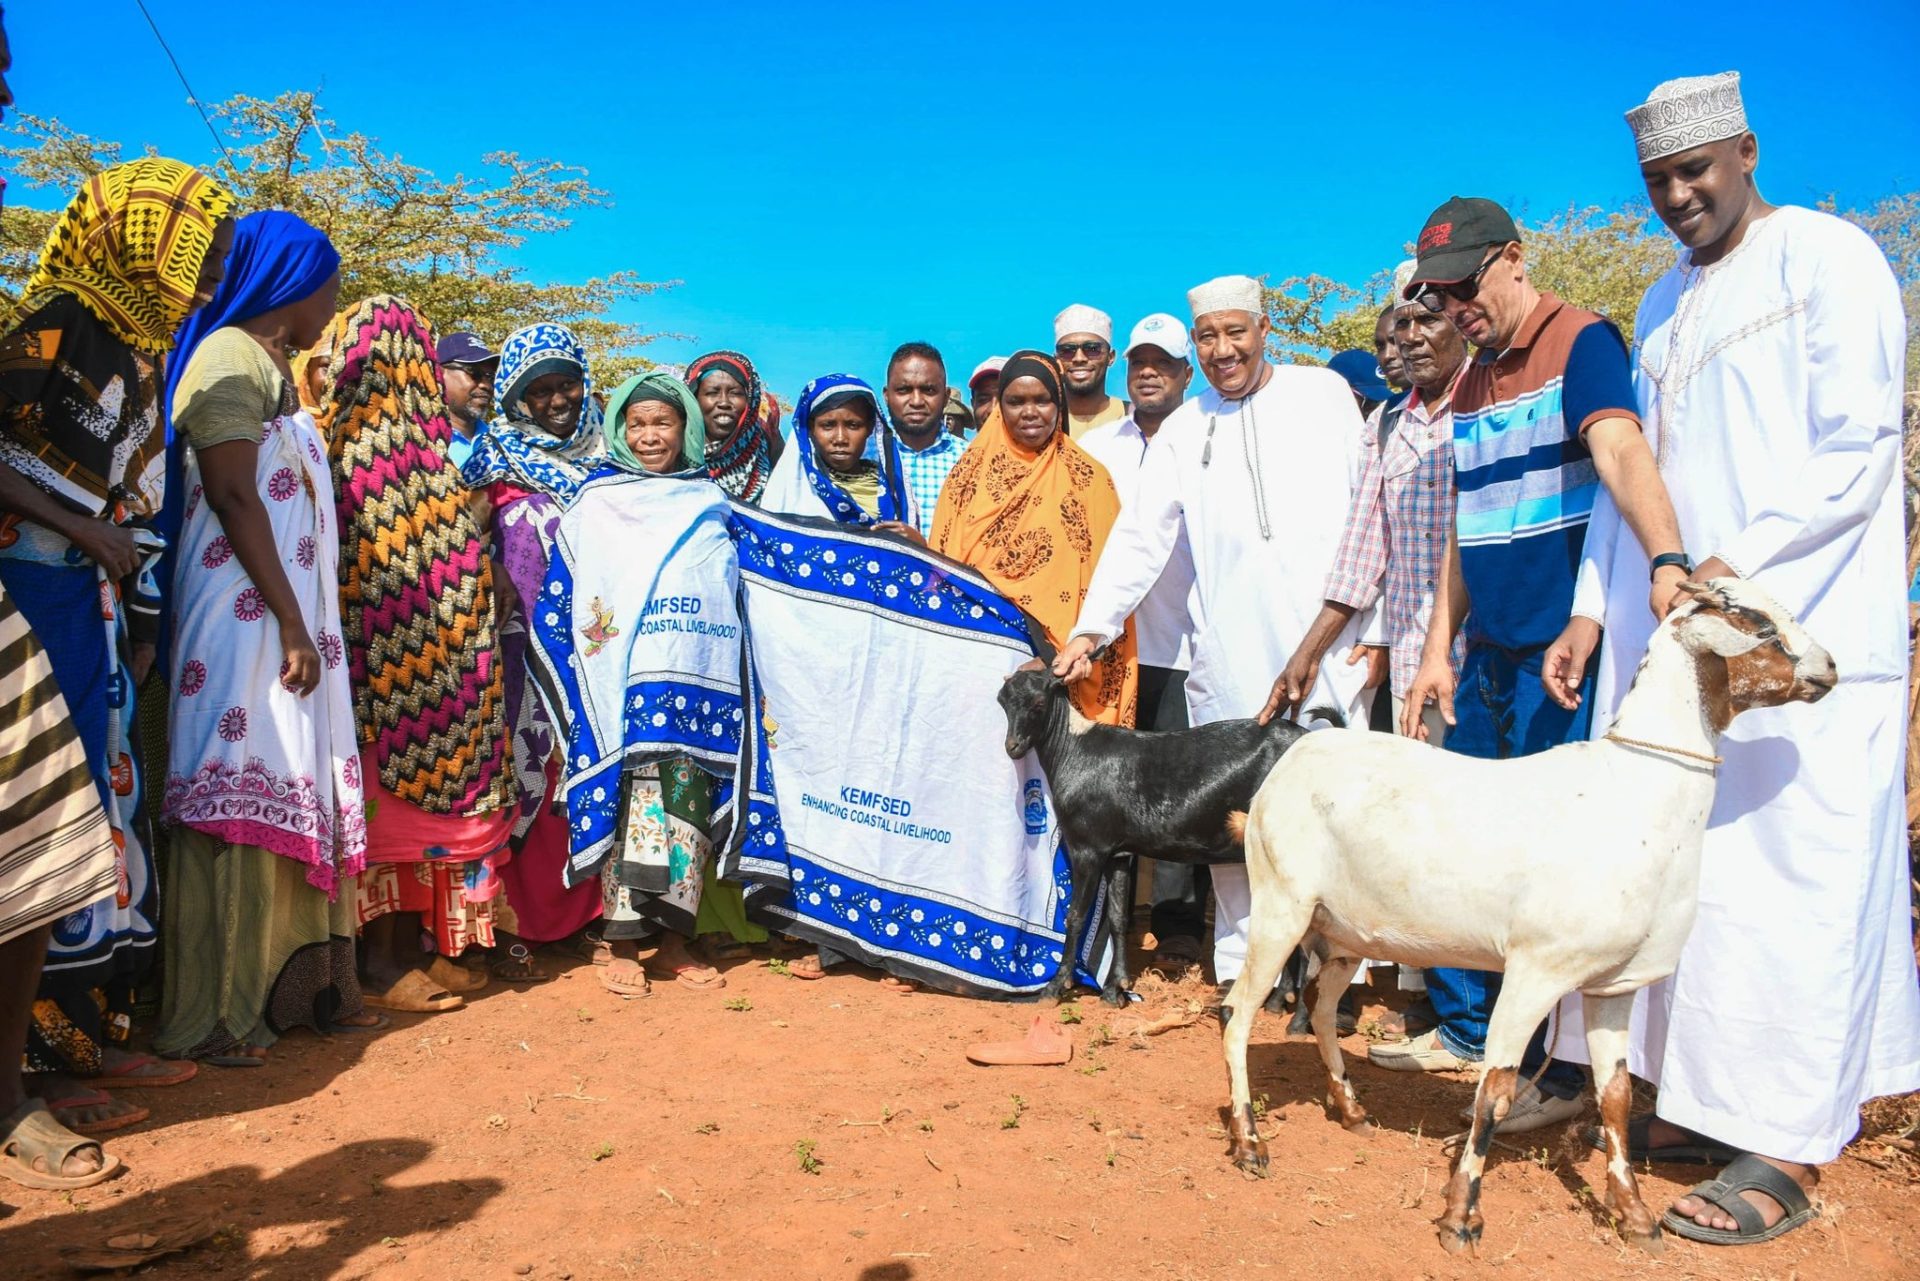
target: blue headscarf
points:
(511, 446)
(277, 259)
(532, 352)
(893, 489)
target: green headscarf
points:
(658, 385)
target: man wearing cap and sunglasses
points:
(1544, 416)
(467, 368)
(1083, 343)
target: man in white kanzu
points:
(1770, 376)
(1256, 474)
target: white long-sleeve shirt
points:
(1162, 627)
(1289, 451)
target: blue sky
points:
(832, 180)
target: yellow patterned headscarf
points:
(130, 246)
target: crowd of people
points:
(339, 610)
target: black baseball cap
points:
(1456, 239)
(463, 348)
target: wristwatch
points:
(1665, 559)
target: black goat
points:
(1118, 792)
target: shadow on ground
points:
(303, 1222)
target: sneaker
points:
(1421, 1054)
(1532, 1110)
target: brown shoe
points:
(456, 978)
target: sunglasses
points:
(1435, 296)
(1095, 349)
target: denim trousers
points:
(1502, 711)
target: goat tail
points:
(1237, 826)
(1331, 715)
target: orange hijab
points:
(1034, 524)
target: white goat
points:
(1573, 870)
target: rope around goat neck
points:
(1659, 747)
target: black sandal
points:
(517, 966)
(1745, 1174)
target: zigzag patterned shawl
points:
(130, 246)
(416, 585)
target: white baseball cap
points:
(991, 365)
(1162, 331)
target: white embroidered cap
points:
(1402, 277)
(1082, 319)
(1687, 113)
(1225, 293)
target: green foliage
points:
(803, 1151)
(1314, 316)
(1599, 260)
(442, 243)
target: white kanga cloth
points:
(879, 663)
(1253, 598)
(1770, 385)
(1162, 628)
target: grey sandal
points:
(1744, 1174)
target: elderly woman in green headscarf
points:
(658, 885)
(653, 426)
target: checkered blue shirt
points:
(926, 471)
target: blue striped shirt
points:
(1526, 479)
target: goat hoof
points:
(1251, 1158)
(1363, 1127)
(1053, 994)
(1652, 1242)
(1116, 996)
(1459, 1240)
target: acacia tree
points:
(443, 243)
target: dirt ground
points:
(557, 1132)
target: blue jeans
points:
(1501, 711)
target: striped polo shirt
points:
(1525, 476)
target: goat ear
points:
(1716, 633)
(1031, 665)
(1705, 593)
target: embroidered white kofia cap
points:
(1687, 113)
(1082, 319)
(1225, 293)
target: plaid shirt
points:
(926, 471)
(1396, 533)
